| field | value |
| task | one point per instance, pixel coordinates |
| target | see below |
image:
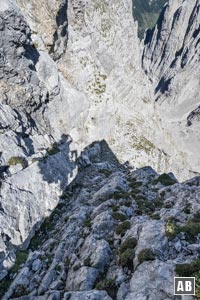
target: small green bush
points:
(187, 209)
(53, 150)
(187, 270)
(120, 195)
(109, 286)
(115, 208)
(128, 243)
(165, 180)
(76, 268)
(123, 227)
(18, 160)
(191, 229)
(4, 286)
(135, 184)
(144, 206)
(146, 255)
(21, 257)
(87, 223)
(119, 216)
(134, 192)
(127, 253)
(126, 258)
(195, 218)
(58, 268)
(87, 262)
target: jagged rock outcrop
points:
(34, 168)
(116, 234)
(171, 60)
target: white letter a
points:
(180, 287)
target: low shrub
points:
(87, 262)
(18, 160)
(123, 227)
(119, 216)
(146, 255)
(165, 180)
(53, 150)
(126, 258)
(128, 243)
(109, 286)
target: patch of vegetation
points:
(53, 149)
(21, 257)
(155, 216)
(123, 227)
(187, 270)
(119, 216)
(67, 262)
(128, 243)
(127, 203)
(76, 268)
(20, 291)
(146, 206)
(66, 219)
(126, 258)
(187, 209)
(120, 195)
(43, 231)
(115, 208)
(17, 160)
(135, 184)
(87, 262)
(142, 144)
(191, 228)
(87, 223)
(58, 268)
(165, 180)
(171, 228)
(105, 172)
(135, 192)
(109, 286)
(4, 286)
(36, 45)
(190, 270)
(146, 255)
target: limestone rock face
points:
(171, 60)
(34, 168)
(71, 73)
(130, 250)
(90, 63)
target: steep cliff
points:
(171, 60)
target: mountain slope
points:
(116, 234)
(71, 74)
(171, 60)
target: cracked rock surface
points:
(116, 233)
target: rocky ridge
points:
(61, 82)
(116, 233)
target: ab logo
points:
(184, 285)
